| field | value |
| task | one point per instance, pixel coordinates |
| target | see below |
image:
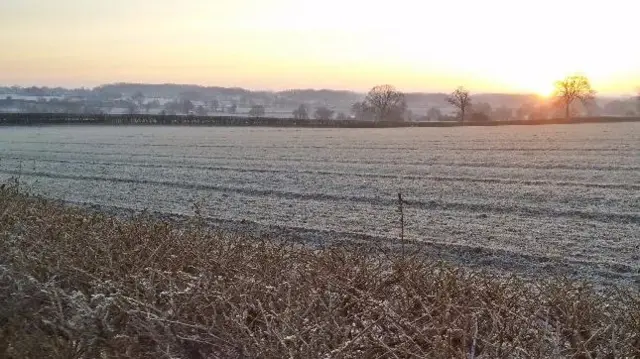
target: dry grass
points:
(82, 285)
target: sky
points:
(512, 46)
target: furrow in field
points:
(387, 201)
(427, 161)
(84, 164)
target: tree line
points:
(386, 103)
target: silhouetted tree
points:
(572, 88)
(301, 113)
(323, 113)
(257, 111)
(434, 114)
(461, 99)
(386, 103)
(341, 117)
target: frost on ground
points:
(76, 284)
(559, 199)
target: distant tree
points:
(201, 111)
(131, 107)
(461, 99)
(172, 107)
(480, 117)
(483, 108)
(361, 111)
(138, 99)
(301, 113)
(257, 111)
(341, 116)
(434, 114)
(186, 106)
(386, 103)
(502, 114)
(592, 108)
(213, 105)
(616, 108)
(232, 109)
(572, 88)
(323, 113)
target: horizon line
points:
(605, 94)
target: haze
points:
(487, 46)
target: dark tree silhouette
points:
(257, 111)
(572, 88)
(323, 113)
(461, 99)
(386, 103)
(301, 113)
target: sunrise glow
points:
(504, 46)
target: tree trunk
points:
(567, 109)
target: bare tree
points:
(301, 113)
(461, 99)
(323, 113)
(572, 88)
(387, 103)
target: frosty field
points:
(559, 199)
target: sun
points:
(544, 91)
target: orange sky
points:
(487, 46)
